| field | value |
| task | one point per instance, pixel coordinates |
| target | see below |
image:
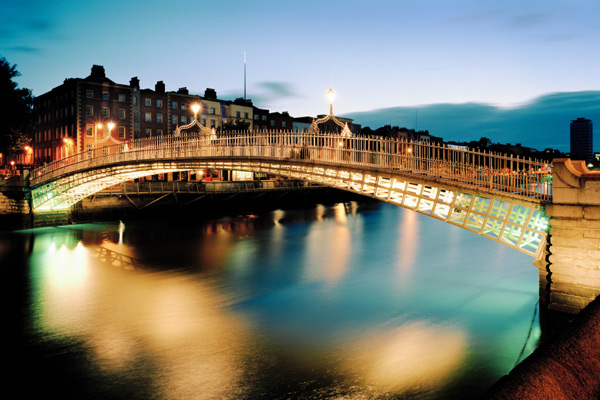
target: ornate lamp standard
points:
(203, 130)
(314, 127)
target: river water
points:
(345, 301)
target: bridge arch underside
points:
(520, 224)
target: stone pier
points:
(570, 273)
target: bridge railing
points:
(522, 177)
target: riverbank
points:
(566, 367)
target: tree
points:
(236, 126)
(16, 111)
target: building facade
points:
(582, 141)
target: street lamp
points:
(314, 127)
(98, 126)
(68, 142)
(203, 130)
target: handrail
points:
(506, 173)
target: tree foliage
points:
(236, 126)
(16, 111)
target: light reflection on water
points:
(345, 301)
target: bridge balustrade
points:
(522, 177)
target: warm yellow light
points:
(68, 141)
(340, 143)
(12, 163)
(330, 96)
(409, 150)
(27, 148)
(195, 108)
(99, 126)
(110, 126)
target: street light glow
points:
(195, 108)
(110, 125)
(330, 96)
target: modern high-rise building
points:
(582, 143)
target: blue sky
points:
(376, 54)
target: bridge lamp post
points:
(97, 127)
(68, 142)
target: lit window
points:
(89, 93)
(148, 117)
(121, 132)
(147, 102)
(89, 130)
(159, 118)
(105, 112)
(158, 103)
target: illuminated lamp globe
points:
(195, 108)
(330, 96)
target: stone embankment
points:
(14, 207)
(566, 367)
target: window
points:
(121, 132)
(283, 124)
(246, 115)
(158, 103)
(264, 117)
(148, 117)
(148, 132)
(203, 122)
(159, 132)
(183, 119)
(159, 118)
(183, 106)
(136, 116)
(212, 110)
(122, 97)
(212, 123)
(237, 114)
(89, 130)
(105, 112)
(272, 122)
(174, 105)
(147, 102)
(105, 96)
(89, 111)
(256, 117)
(89, 93)
(121, 113)
(134, 100)
(174, 119)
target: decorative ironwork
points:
(203, 130)
(314, 126)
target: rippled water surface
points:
(352, 301)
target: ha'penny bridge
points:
(504, 198)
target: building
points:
(582, 140)
(81, 114)
(281, 121)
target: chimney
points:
(98, 71)
(210, 94)
(134, 82)
(159, 87)
(183, 90)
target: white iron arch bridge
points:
(497, 196)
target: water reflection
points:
(344, 301)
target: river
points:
(351, 300)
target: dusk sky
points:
(375, 55)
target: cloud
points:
(541, 123)
(24, 49)
(277, 89)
